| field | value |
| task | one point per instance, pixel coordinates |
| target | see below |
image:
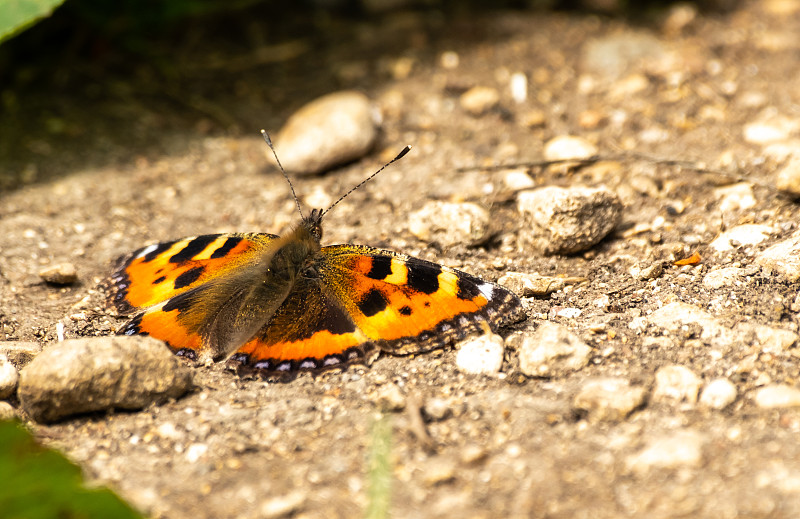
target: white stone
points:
(741, 235)
(518, 84)
(195, 452)
(718, 394)
(676, 383)
(736, 197)
(8, 377)
(679, 449)
(724, 277)
(611, 399)
(552, 350)
(449, 223)
(777, 396)
(783, 258)
(329, 131)
(568, 147)
(481, 355)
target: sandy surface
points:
(121, 160)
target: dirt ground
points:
(120, 158)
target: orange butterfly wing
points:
(153, 280)
(366, 299)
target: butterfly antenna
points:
(291, 186)
(398, 157)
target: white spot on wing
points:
(147, 250)
(487, 289)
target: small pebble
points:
(718, 394)
(777, 396)
(195, 451)
(98, 374)
(567, 147)
(676, 383)
(479, 100)
(646, 271)
(724, 277)
(770, 127)
(518, 179)
(331, 130)
(438, 470)
(481, 355)
(8, 377)
(788, 179)
(736, 197)
(518, 85)
(783, 258)
(449, 223)
(473, 453)
(60, 274)
(527, 285)
(567, 220)
(7, 411)
(741, 235)
(609, 399)
(552, 350)
(437, 409)
(390, 398)
(679, 449)
(283, 506)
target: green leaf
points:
(18, 15)
(40, 483)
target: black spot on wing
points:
(132, 327)
(159, 280)
(193, 248)
(153, 254)
(467, 287)
(405, 310)
(424, 278)
(381, 267)
(181, 302)
(188, 277)
(336, 322)
(226, 247)
(372, 303)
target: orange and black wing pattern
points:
(363, 300)
(154, 283)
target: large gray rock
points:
(98, 374)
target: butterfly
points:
(279, 305)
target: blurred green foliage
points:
(18, 15)
(39, 483)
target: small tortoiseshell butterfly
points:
(280, 304)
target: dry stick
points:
(622, 157)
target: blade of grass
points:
(379, 475)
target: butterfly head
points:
(313, 223)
